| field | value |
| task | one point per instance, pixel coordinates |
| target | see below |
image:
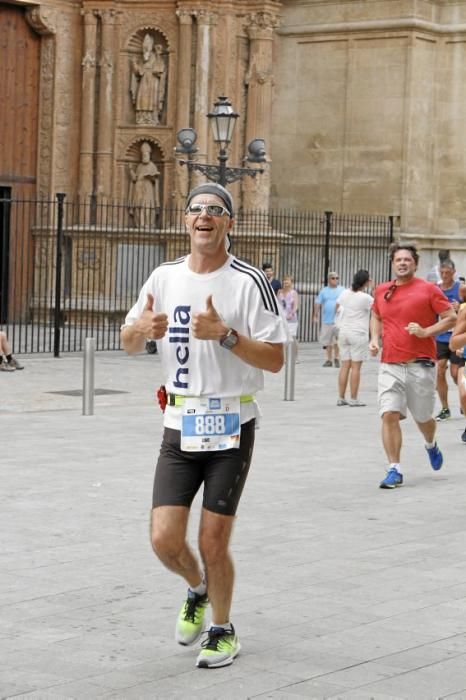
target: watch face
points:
(230, 340)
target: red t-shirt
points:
(417, 301)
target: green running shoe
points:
(190, 623)
(219, 649)
(443, 415)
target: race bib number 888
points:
(220, 424)
(210, 424)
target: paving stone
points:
(343, 590)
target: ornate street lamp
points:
(222, 121)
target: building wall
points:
(362, 103)
(369, 113)
(90, 127)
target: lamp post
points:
(222, 121)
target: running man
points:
(405, 314)
(218, 326)
(455, 292)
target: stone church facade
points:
(362, 103)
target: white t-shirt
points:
(245, 301)
(356, 311)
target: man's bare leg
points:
(168, 538)
(214, 538)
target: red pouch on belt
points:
(162, 397)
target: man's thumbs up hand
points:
(149, 303)
(209, 305)
(208, 325)
(150, 324)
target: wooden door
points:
(19, 99)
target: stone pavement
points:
(343, 590)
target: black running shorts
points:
(179, 475)
(444, 353)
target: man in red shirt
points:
(407, 313)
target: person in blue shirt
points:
(455, 292)
(269, 273)
(326, 301)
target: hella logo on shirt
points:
(179, 334)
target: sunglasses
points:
(211, 209)
(334, 278)
(390, 291)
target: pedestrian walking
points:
(455, 292)
(354, 307)
(267, 267)
(434, 273)
(218, 326)
(326, 301)
(288, 297)
(407, 313)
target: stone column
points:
(259, 79)
(205, 21)
(183, 95)
(44, 21)
(88, 63)
(105, 109)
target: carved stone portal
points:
(149, 81)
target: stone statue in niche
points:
(144, 198)
(148, 80)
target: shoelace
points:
(214, 637)
(191, 608)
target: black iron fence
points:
(71, 270)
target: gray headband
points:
(213, 188)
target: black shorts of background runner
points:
(444, 353)
(179, 475)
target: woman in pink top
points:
(288, 297)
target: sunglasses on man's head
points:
(211, 209)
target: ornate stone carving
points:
(261, 25)
(184, 16)
(88, 61)
(43, 21)
(88, 258)
(258, 76)
(47, 71)
(206, 17)
(148, 82)
(135, 31)
(106, 61)
(144, 197)
(107, 16)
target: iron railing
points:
(70, 270)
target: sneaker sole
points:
(226, 662)
(390, 486)
(193, 641)
(437, 467)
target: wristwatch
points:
(229, 340)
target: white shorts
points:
(407, 386)
(328, 334)
(293, 328)
(353, 346)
